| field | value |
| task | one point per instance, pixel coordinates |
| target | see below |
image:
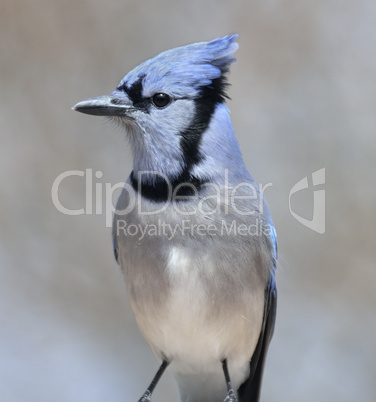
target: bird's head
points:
(167, 104)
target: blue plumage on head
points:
(184, 71)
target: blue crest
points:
(183, 71)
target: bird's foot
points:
(146, 397)
(231, 396)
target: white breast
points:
(195, 332)
(197, 302)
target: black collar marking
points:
(162, 190)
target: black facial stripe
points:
(134, 92)
(205, 105)
(162, 190)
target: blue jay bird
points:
(200, 260)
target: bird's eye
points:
(161, 100)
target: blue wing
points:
(249, 391)
(115, 248)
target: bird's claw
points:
(231, 397)
(146, 397)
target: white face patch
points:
(158, 148)
(170, 120)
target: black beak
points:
(101, 106)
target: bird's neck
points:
(162, 174)
(221, 149)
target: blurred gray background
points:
(304, 98)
